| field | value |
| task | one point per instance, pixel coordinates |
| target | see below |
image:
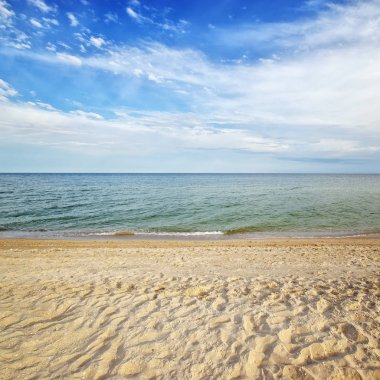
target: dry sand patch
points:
(294, 310)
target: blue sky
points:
(189, 86)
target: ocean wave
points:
(251, 232)
(364, 234)
(152, 233)
(247, 230)
(195, 233)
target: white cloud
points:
(64, 45)
(6, 14)
(10, 35)
(73, 20)
(19, 45)
(111, 17)
(43, 105)
(332, 146)
(320, 101)
(133, 14)
(51, 47)
(80, 37)
(158, 61)
(157, 20)
(153, 132)
(69, 59)
(144, 134)
(338, 24)
(51, 21)
(42, 6)
(88, 115)
(97, 41)
(6, 91)
(170, 26)
(36, 23)
(18, 40)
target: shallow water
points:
(258, 205)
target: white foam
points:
(99, 233)
(198, 233)
(163, 233)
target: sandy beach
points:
(286, 309)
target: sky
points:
(255, 86)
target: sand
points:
(286, 309)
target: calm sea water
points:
(212, 205)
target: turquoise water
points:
(212, 205)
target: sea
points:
(189, 206)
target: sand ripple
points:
(151, 313)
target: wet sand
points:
(286, 309)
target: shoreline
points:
(212, 235)
(237, 309)
(187, 236)
(24, 243)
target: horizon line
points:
(192, 173)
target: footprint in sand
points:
(257, 357)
